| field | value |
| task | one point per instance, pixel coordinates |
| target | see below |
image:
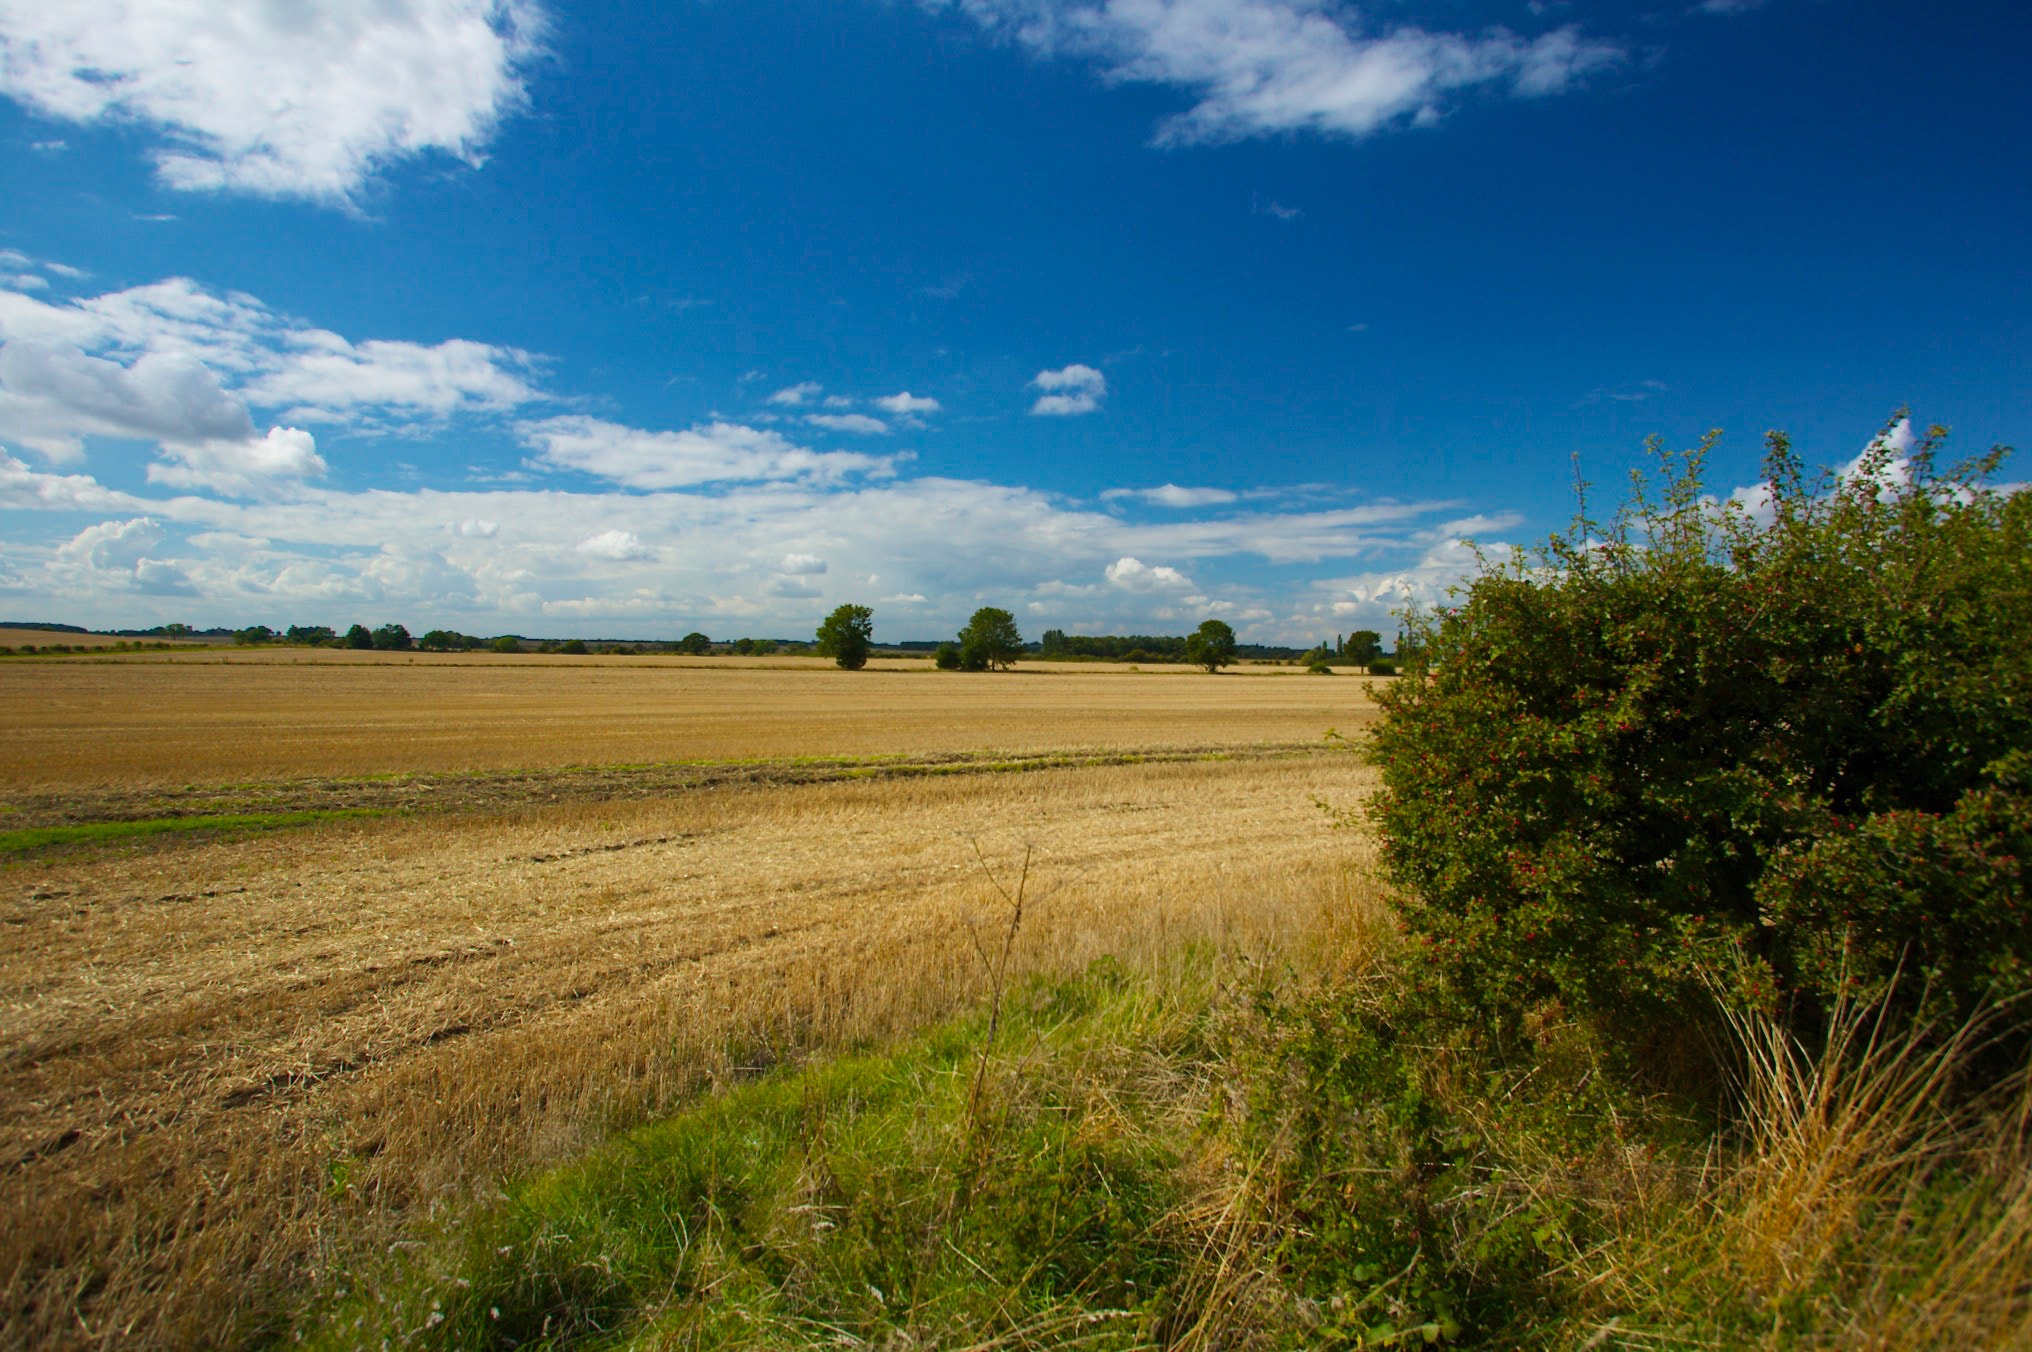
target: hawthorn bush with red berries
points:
(1772, 748)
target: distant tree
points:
(575, 646)
(441, 640)
(1212, 647)
(846, 636)
(507, 643)
(1363, 647)
(695, 644)
(359, 636)
(253, 633)
(1052, 644)
(947, 656)
(990, 641)
(391, 638)
(318, 634)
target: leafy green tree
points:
(441, 640)
(253, 633)
(990, 642)
(359, 636)
(947, 656)
(315, 634)
(695, 644)
(846, 636)
(1784, 752)
(575, 647)
(506, 643)
(392, 638)
(1212, 646)
(1052, 644)
(1363, 647)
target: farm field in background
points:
(225, 715)
(238, 1065)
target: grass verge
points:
(1223, 1158)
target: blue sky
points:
(637, 318)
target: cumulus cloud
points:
(1070, 390)
(906, 404)
(53, 395)
(473, 528)
(122, 554)
(794, 396)
(618, 546)
(241, 469)
(859, 424)
(176, 363)
(801, 565)
(1134, 575)
(718, 452)
(307, 99)
(791, 588)
(1263, 67)
(1172, 495)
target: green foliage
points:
(506, 643)
(1319, 667)
(1689, 743)
(695, 644)
(846, 636)
(947, 656)
(392, 638)
(575, 647)
(253, 634)
(442, 641)
(1212, 646)
(1382, 666)
(315, 634)
(990, 641)
(1363, 647)
(359, 636)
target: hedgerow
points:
(1773, 745)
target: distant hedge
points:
(1774, 747)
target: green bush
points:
(576, 647)
(506, 643)
(1693, 745)
(947, 656)
(847, 635)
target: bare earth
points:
(234, 1068)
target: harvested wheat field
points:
(239, 1062)
(160, 719)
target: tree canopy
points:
(990, 641)
(847, 635)
(1212, 646)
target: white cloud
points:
(793, 396)
(1136, 576)
(1171, 495)
(23, 281)
(177, 363)
(906, 404)
(801, 565)
(710, 453)
(791, 588)
(859, 424)
(619, 546)
(1263, 67)
(305, 99)
(241, 469)
(1083, 389)
(121, 554)
(473, 528)
(53, 395)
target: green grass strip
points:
(93, 833)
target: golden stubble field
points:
(276, 713)
(234, 1067)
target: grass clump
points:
(30, 840)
